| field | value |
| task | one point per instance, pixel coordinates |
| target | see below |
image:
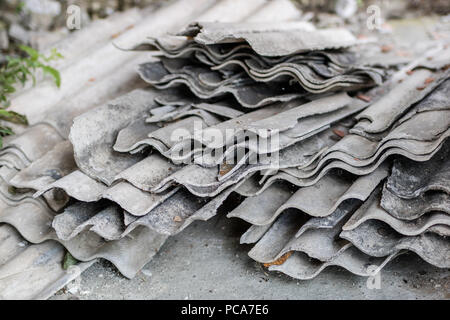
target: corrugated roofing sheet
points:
(111, 187)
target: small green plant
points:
(18, 70)
(68, 261)
(20, 6)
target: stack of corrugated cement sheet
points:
(410, 212)
(258, 63)
(35, 271)
(41, 153)
(347, 218)
(287, 116)
(32, 271)
(162, 172)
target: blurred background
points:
(41, 23)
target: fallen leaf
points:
(386, 48)
(364, 97)
(339, 133)
(403, 53)
(225, 168)
(279, 261)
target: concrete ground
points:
(206, 261)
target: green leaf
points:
(34, 55)
(68, 261)
(13, 117)
(7, 88)
(5, 131)
(12, 63)
(20, 70)
(54, 73)
(54, 55)
(20, 6)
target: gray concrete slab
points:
(206, 261)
